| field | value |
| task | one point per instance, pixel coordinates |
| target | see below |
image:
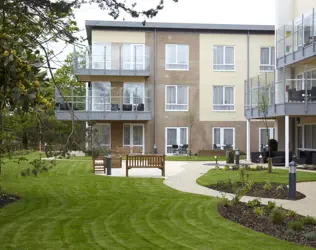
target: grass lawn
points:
(278, 175)
(71, 208)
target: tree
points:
(263, 107)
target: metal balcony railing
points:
(281, 92)
(113, 59)
(104, 103)
(296, 35)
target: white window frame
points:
(176, 86)
(132, 64)
(303, 137)
(234, 104)
(95, 58)
(270, 59)
(222, 136)
(178, 137)
(166, 57)
(225, 64)
(270, 130)
(93, 98)
(110, 131)
(131, 135)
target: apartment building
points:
(162, 84)
(292, 96)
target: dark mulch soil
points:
(307, 168)
(257, 190)
(7, 198)
(244, 215)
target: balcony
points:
(296, 40)
(112, 60)
(290, 97)
(102, 107)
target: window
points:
(177, 98)
(223, 98)
(267, 59)
(133, 56)
(101, 96)
(133, 93)
(102, 135)
(177, 57)
(224, 58)
(176, 136)
(223, 138)
(306, 136)
(263, 139)
(101, 56)
(133, 135)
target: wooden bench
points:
(145, 161)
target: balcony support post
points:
(284, 44)
(258, 102)
(248, 140)
(293, 40)
(313, 29)
(302, 35)
(287, 141)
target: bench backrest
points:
(145, 161)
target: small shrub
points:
(243, 175)
(216, 167)
(222, 184)
(226, 168)
(235, 167)
(291, 213)
(277, 216)
(271, 205)
(248, 186)
(296, 225)
(224, 201)
(280, 188)
(258, 211)
(311, 236)
(236, 199)
(267, 186)
(254, 203)
(308, 220)
(247, 167)
(259, 168)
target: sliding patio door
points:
(101, 56)
(175, 136)
(133, 93)
(133, 136)
(263, 139)
(101, 96)
(133, 57)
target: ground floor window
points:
(176, 136)
(306, 136)
(264, 136)
(133, 136)
(223, 138)
(101, 135)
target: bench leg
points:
(163, 172)
(126, 172)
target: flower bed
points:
(7, 198)
(262, 190)
(276, 222)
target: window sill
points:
(176, 110)
(176, 69)
(228, 111)
(216, 70)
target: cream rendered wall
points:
(101, 36)
(255, 44)
(209, 77)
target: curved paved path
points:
(185, 181)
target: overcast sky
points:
(187, 11)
